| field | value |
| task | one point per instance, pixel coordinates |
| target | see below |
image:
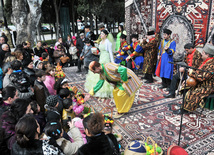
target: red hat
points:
(176, 150)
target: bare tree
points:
(26, 15)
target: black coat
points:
(36, 149)
(98, 145)
(80, 44)
(38, 52)
(31, 75)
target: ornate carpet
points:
(152, 115)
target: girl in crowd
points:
(106, 56)
(38, 49)
(28, 139)
(50, 80)
(60, 83)
(55, 132)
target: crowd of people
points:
(41, 114)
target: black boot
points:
(149, 78)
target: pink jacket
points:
(49, 83)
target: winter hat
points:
(52, 100)
(74, 37)
(134, 36)
(167, 31)
(176, 150)
(37, 63)
(135, 147)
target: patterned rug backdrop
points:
(199, 14)
(152, 115)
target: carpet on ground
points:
(152, 115)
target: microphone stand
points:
(184, 94)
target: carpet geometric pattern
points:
(152, 115)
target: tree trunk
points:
(96, 27)
(19, 19)
(38, 31)
(57, 19)
(73, 19)
(26, 21)
(33, 18)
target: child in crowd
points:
(73, 53)
(50, 80)
(51, 105)
(45, 56)
(78, 122)
(67, 113)
(77, 108)
(61, 83)
(45, 65)
(74, 39)
(63, 94)
(54, 131)
(38, 115)
(38, 65)
(40, 90)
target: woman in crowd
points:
(54, 131)
(38, 49)
(97, 142)
(121, 31)
(106, 56)
(8, 120)
(19, 55)
(28, 139)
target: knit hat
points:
(135, 148)
(73, 37)
(52, 100)
(176, 150)
(209, 49)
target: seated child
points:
(67, 113)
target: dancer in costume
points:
(118, 41)
(136, 57)
(124, 80)
(166, 50)
(106, 56)
(122, 54)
